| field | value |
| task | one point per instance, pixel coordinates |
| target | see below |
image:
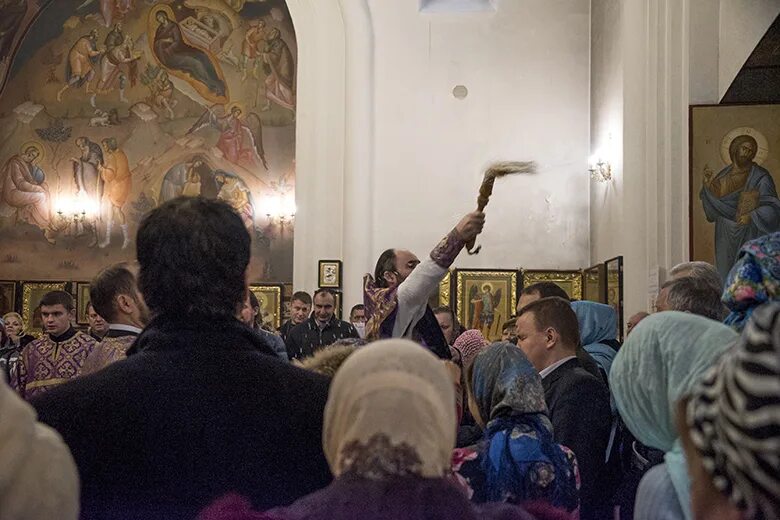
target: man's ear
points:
(551, 337)
(389, 277)
(124, 303)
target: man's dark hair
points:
(193, 254)
(358, 307)
(57, 298)
(546, 290)
(301, 296)
(509, 324)
(107, 285)
(446, 309)
(687, 294)
(555, 313)
(386, 263)
(325, 290)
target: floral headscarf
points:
(754, 279)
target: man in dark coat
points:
(323, 328)
(548, 333)
(201, 406)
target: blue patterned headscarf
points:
(520, 459)
(754, 279)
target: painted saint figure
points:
(174, 53)
(280, 69)
(236, 194)
(115, 172)
(86, 175)
(81, 61)
(119, 63)
(741, 200)
(25, 194)
(251, 47)
(237, 141)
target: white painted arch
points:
(334, 141)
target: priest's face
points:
(56, 319)
(405, 262)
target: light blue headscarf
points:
(598, 323)
(661, 361)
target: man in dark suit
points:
(201, 406)
(548, 333)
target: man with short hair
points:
(688, 294)
(114, 294)
(57, 356)
(396, 296)
(541, 290)
(300, 307)
(448, 323)
(201, 406)
(508, 330)
(357, 317)
(548, 334)
(702, 271)
(323, 328)
(98, 326)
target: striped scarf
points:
(734, 417)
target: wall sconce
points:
(600, 170)
(74, 213)
(281, 208)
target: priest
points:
(396, 297)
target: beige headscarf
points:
(390, 412)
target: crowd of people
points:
(178, 404)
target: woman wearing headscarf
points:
(660, 362)
(38, 477)
(388, 435)
(518, 461)
(754, 279)
(465, 348)
(598, 330)
(730, 428)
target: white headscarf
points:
(38, 477)
(390, 412)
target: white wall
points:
(405, 159)
(650, 61)
(742, 24)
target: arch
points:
(334, 139)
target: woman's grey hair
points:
(701, 271)
(689, 294)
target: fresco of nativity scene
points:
(109, 108)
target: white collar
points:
(122, 326)
(549, 370)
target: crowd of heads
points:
(678, 383)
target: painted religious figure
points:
(280, 70)
(741, 199)
(25, 194)
(190, 62)
(82, 58)
(98, 106)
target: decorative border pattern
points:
(445, 288)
